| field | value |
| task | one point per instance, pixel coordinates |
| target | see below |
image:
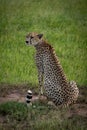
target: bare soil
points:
(80, 108)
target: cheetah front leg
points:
(40, 79)
(39, 64)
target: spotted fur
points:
(50, 72)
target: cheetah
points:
(50, 72)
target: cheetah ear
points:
(40, 36)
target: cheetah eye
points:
(27, 36)
(31, 37)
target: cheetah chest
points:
(52, 79)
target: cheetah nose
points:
(26, 41)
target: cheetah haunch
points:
(50, 72)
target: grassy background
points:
(64, 25)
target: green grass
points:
(64, 25)
(42, 117)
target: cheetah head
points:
(33, 38)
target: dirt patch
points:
(13, 96)
(77, 109)
(80, 108)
